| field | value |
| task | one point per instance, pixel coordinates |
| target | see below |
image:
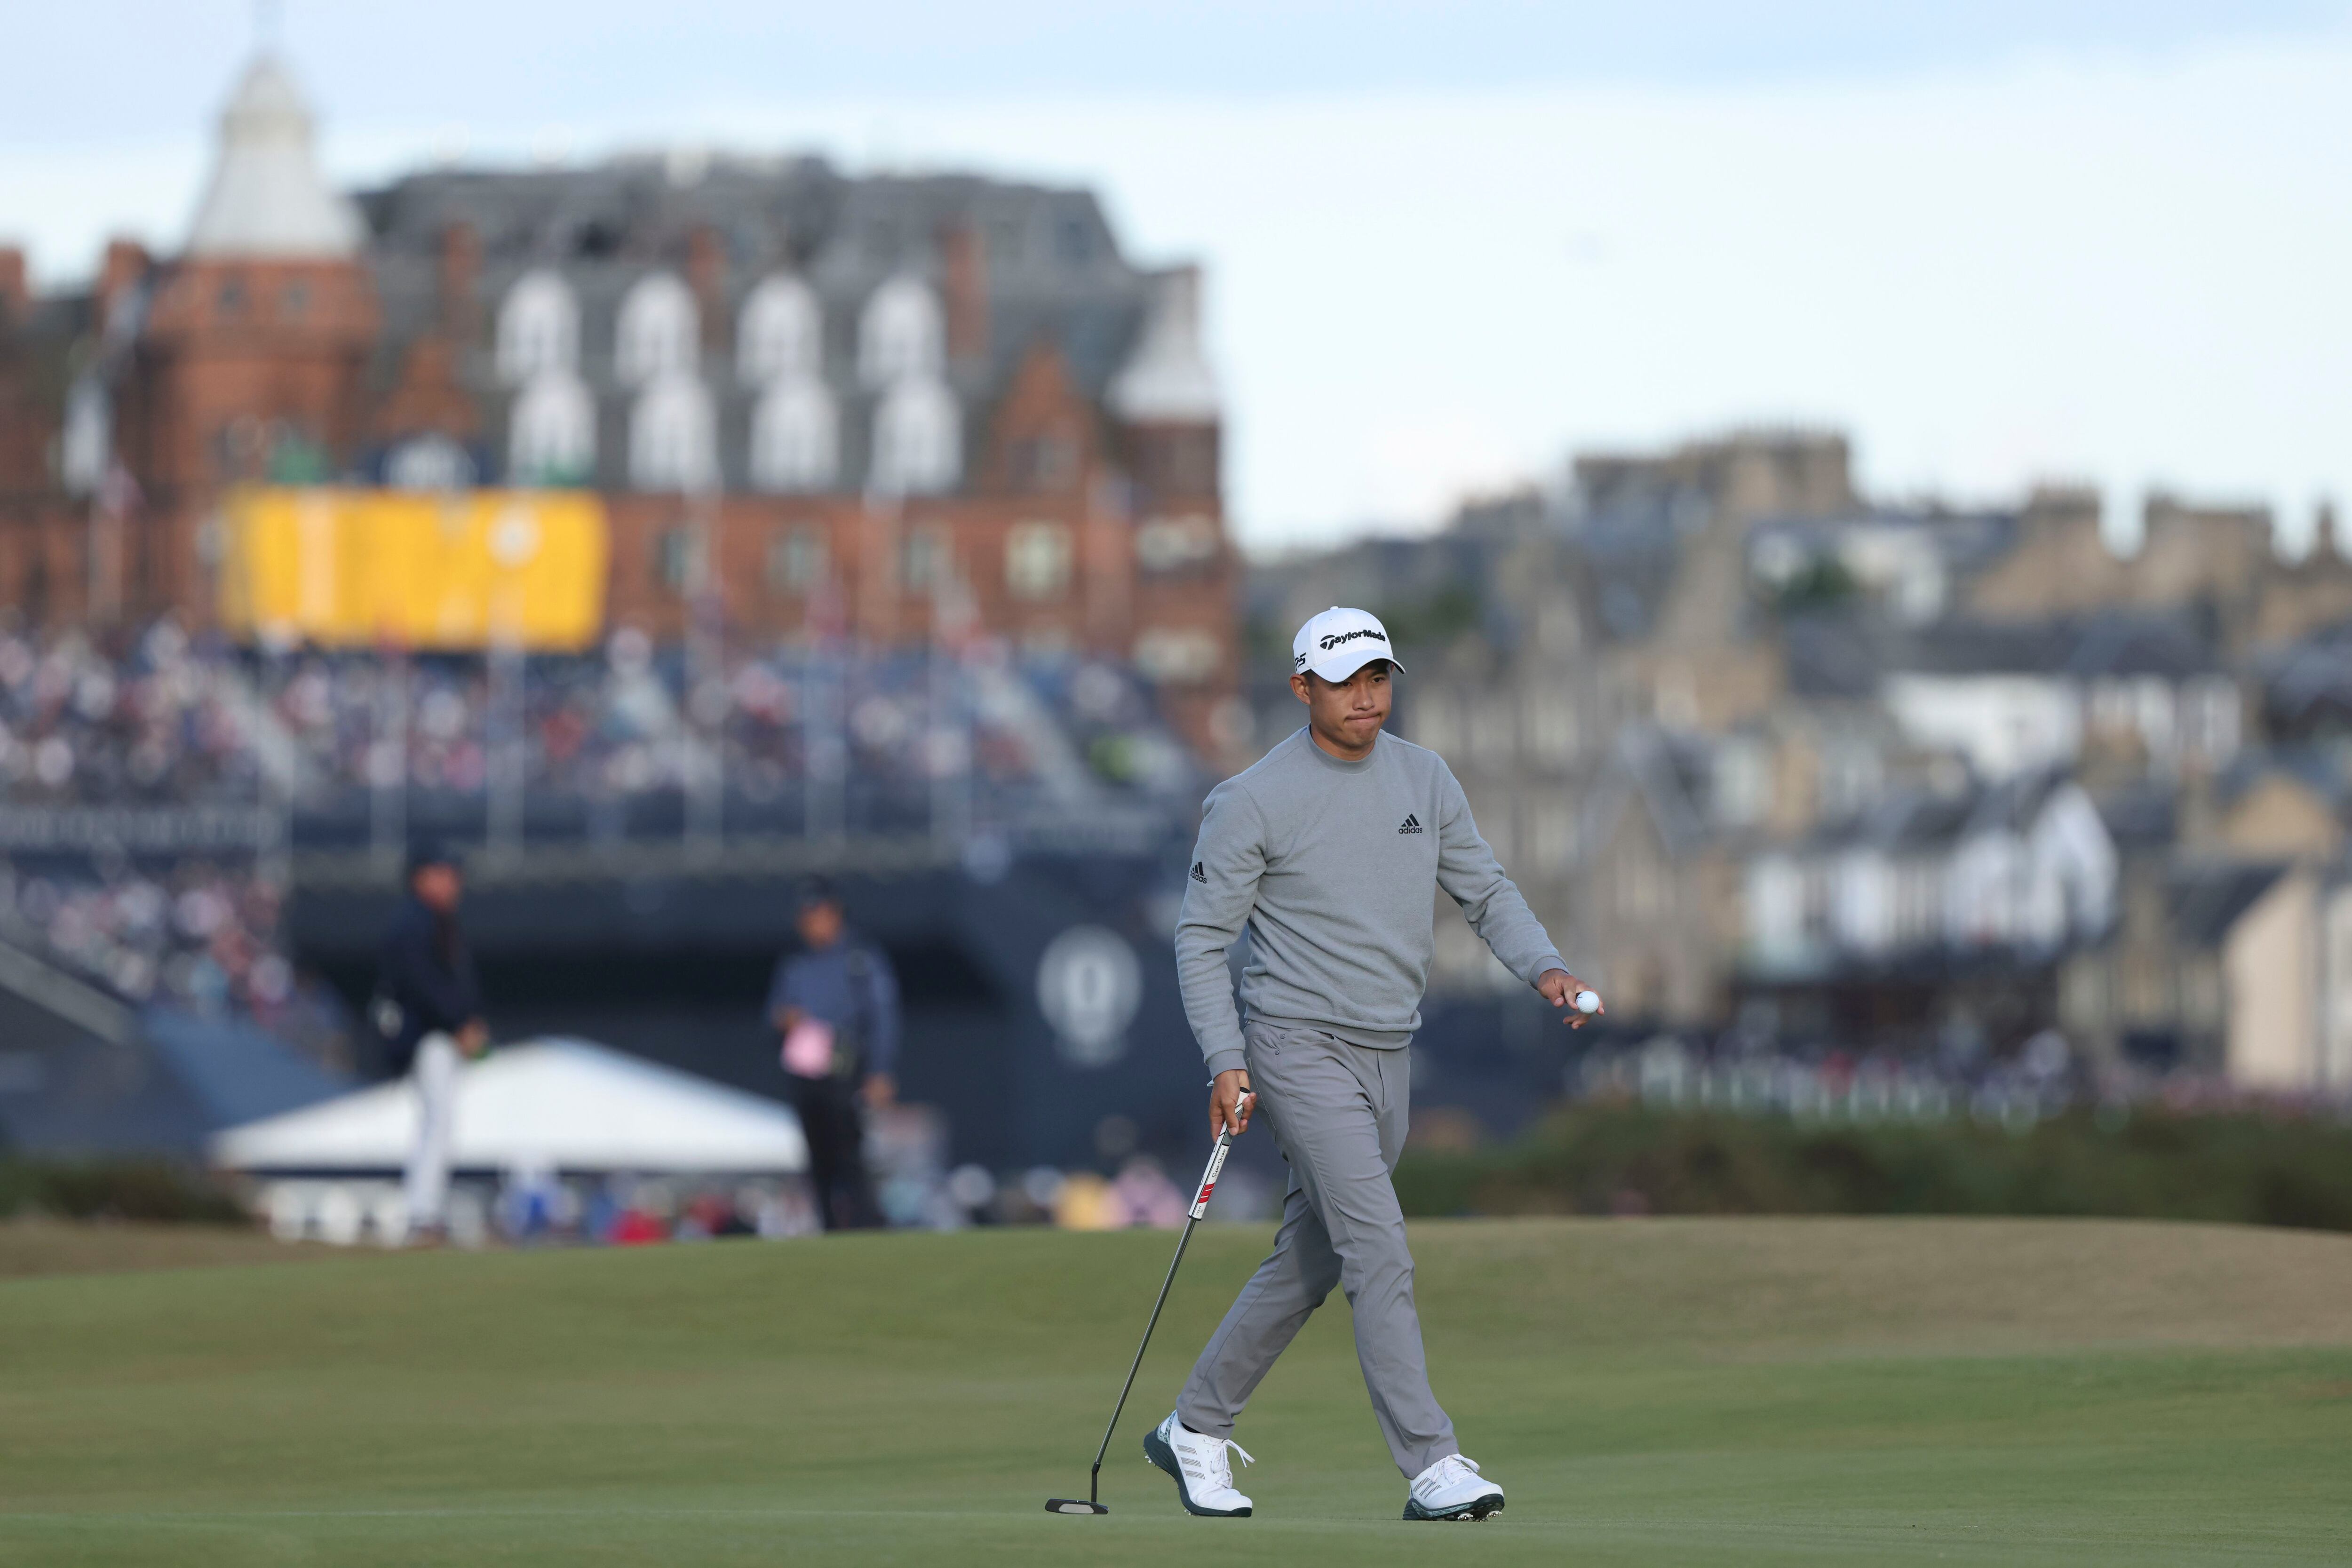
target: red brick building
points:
(887, 407)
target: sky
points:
(1449, 245)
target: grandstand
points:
(167, 796)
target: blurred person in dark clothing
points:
(429, 1012)
(835, 1005)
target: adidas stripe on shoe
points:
(1451, 1489)
(1203, 1475)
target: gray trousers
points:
(1337, 1112)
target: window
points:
(1177, 658)
(539, 329)
(1849, 779)
(1552, 833)
(232, 297)
(1174, 543)
(795, 437)
(1047, 462)
(430, 462)
(1813, 903)
(294, 300)
(677, 556)
(85, 446)
(1434, 721)
(898, 336)
(917, 439)
(2214, 711)
(1494, 824)
(1551, 728)
(1742, 784)
(1038, 561)
(672, 437)
(552, 438)
(657, 330)
(780, 333)
(1494, 731)
(923, 559)
(796, 561)
(1919, 904)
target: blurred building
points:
(880, 408)
(660, 532)
(1780, 762)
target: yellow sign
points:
(346, 568)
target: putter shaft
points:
(1199, 1207)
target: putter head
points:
(1073, 1505)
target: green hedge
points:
(152, 1190)
(1619, 1159)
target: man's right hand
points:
(1231, 1102)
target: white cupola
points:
(1167, 379)
(266, 198)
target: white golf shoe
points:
(1204, 1477)
(1451, 1488)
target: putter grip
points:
(1216, 1165)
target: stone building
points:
(891, 407)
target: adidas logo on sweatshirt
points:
(1412, 824)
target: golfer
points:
(1329, 850)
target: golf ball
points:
(1588, 1001)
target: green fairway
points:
(1671, 1392)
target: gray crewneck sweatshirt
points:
(1331, 865)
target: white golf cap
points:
(1339, 642)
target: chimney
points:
(706, 274)
(964, 265)
(15, 299)
(2061, 511)
(2325, 544)
(461, 269)
(125, 266)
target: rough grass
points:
(1597, 1157)
(37, 1245)
(1684, 1391)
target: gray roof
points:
(1967, 540)
(2205, 901)
(2142, 816)
(2308, 686)
(1833, 654)
(2319, 768)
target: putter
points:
(1093, 1502)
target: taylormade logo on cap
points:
(1339, 642)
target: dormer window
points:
(673, 443)
(539, 329)
(780, 333)
(552, 435)
(917, 439)
(658, 330)
(795, 437)
(900, 334)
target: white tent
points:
(563, 1104)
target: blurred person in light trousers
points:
(836, 1006)
(428, 1011)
